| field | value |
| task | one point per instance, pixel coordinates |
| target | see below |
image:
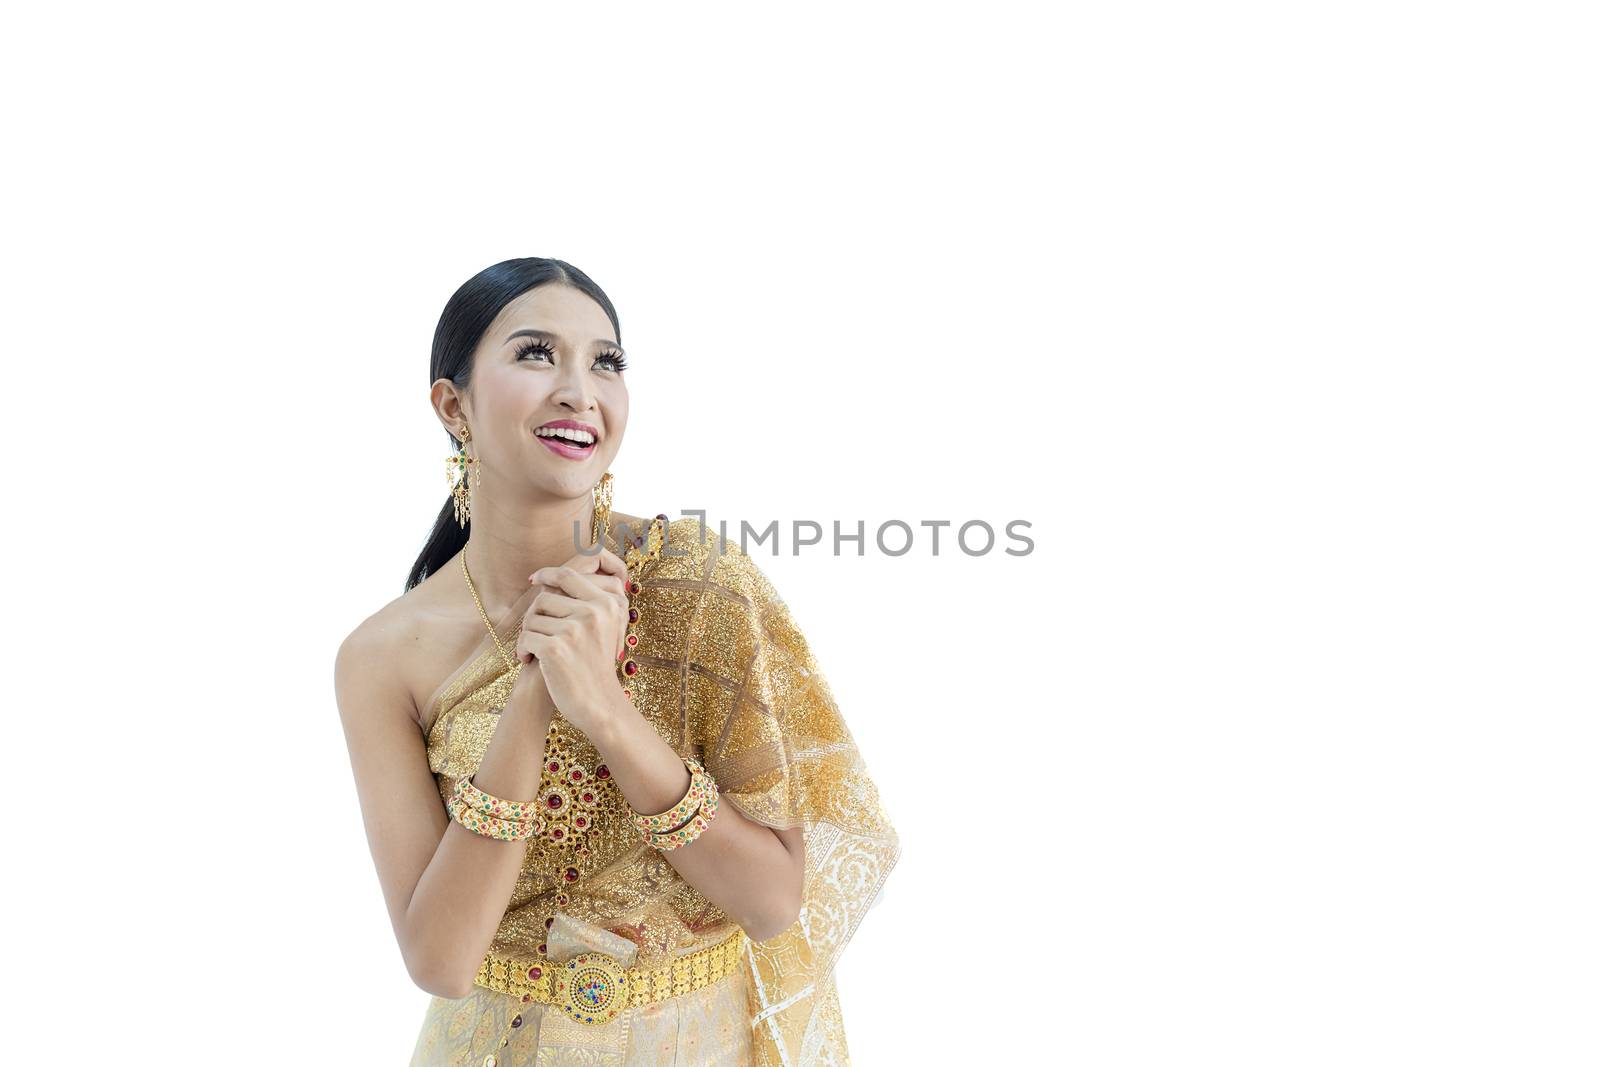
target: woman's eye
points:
(536, 346)
(614, 361)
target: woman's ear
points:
(450, 406)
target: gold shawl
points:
(725, 674)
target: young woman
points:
(616, 815)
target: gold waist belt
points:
(593, 987)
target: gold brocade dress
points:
(725, 675)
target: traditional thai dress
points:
(723, 673)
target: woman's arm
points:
(446, 888)
(753, 872)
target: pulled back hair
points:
(467, 314)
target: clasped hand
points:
(575, 629)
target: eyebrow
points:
(546, 335)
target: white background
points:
(1277, 322)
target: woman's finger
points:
(550, 602)
(611, 563)
(608, 571)
(570, 582)
(603, 562)
(548, 625)
(531, 645)
(617, 569)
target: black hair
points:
(467, 314)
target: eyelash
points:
(616, 359)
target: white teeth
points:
(582, 437)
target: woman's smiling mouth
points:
(564, 437)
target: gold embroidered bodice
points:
(724, 674)
(590, 862)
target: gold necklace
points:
(602, 519)
(515, 666)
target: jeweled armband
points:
(688, 818)
(502, 829)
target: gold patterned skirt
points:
(706, 1027)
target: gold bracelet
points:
(490, 826)
(683, 835)
(498, 807)
(675, 816)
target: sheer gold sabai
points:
(724, 674)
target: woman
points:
(615, 813)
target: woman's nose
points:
(573, 392)
(574, 401)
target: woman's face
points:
(550, 357)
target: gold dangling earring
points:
(458, 466)
(602, 510)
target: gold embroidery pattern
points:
(583, 809)
(726, 675)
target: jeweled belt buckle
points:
(591, 987)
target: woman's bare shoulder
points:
(375, 653)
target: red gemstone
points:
(588, 797)
(630, 668)
(633, 587)
(576, 776)
(549, 922)
(554, 766)
(535, 972)
(633, 616)
(572, 874)
(558, 833)
(581, 822)
(633, 640)
(553, 800)
(542, 947)
(603, 771)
